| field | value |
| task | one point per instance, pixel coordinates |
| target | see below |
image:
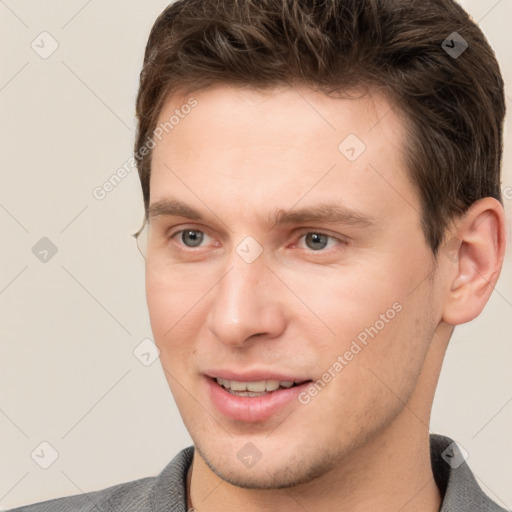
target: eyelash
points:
(311, 251)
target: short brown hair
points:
(454, 104)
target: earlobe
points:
(474, 257)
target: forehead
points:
(264, 112)
(255, 147)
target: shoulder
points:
(455, 480)
(134, 494)
(165, 491)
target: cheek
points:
(160, 304)
(340, 303)
(169, 314)
(392, 359)
(376, 378)
(373, 314)
(173, 299)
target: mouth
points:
(256, 388)
(252, 401)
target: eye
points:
(190, 237)
(317, 241)
(314, 240)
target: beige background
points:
(68, 374)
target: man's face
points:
(343, 301)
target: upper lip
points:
(253, 375)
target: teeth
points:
(254, 387)
(240, 386)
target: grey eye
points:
(318, 241)
(192, 237)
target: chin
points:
(280, 472)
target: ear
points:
(474, 254)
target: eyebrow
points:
(334, 213)
(173, 208)
(325, 213)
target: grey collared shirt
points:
(166, 492)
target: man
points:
(336, 166)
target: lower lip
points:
(252, 409)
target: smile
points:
(254, 401)
(257, 388)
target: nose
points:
(246, 304)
